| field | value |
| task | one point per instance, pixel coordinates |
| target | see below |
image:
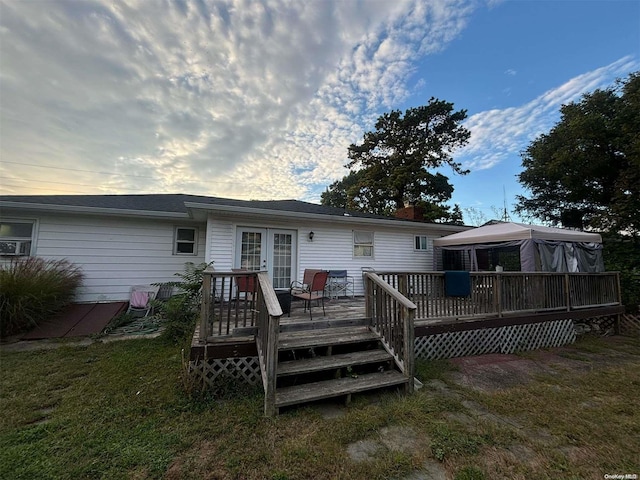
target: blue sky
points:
(260, 100)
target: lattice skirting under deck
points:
(630, 324)
(507, 339)
(243, 369)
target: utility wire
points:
(63, 183)
(29, 187)
(226, 182)
(75, 169)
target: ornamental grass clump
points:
(32, 289)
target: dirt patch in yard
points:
(494, 372)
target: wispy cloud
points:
(229, 98)
(226, 97)
(497, 134)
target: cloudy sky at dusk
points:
(260, 100)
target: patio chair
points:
(314, 290)
(165, 292)
(307, 278)
(245, 297)
(340, 284)
(140, 299)
(245, 285)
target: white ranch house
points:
(125, 240)
(403, 311)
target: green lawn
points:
(118, 410)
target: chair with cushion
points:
(313, 290)
(140, 299)
(307, 278)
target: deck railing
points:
(504, 293)
(392, 316)
(244, 299)
(229, 301)
(268, 323)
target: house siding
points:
(220, 243)
(125, 244)
(115, 253)
(331, 248)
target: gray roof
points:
(175, 203)
(179, 205)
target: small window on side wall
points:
(362, 244)
(421, 243)
(186, 241)
(16, 237)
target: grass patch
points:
(449, 442)
(470, 473)
(433, 369)
(119, 410)
(591, 344)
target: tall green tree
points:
(586, 171)
(391, 167)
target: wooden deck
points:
(375, 335)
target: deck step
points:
(322, 338)
(317, 364)
(334, 388)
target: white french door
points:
(267, 249)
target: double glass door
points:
(267, 249)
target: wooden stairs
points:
(331, 362)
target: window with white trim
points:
(362, 244)
(16, 237)
(186, 241)
(421, 243)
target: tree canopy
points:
(586, 171)
(391, 166)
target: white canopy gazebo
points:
(540, 248)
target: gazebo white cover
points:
(509, 231)
(541, 248)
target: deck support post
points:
(616, 325)
(497, 299)
(271, 365)
(567, 291)
(367, 296)
(403, 284)
(206, 305)
(409, 347)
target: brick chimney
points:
(411, 212)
